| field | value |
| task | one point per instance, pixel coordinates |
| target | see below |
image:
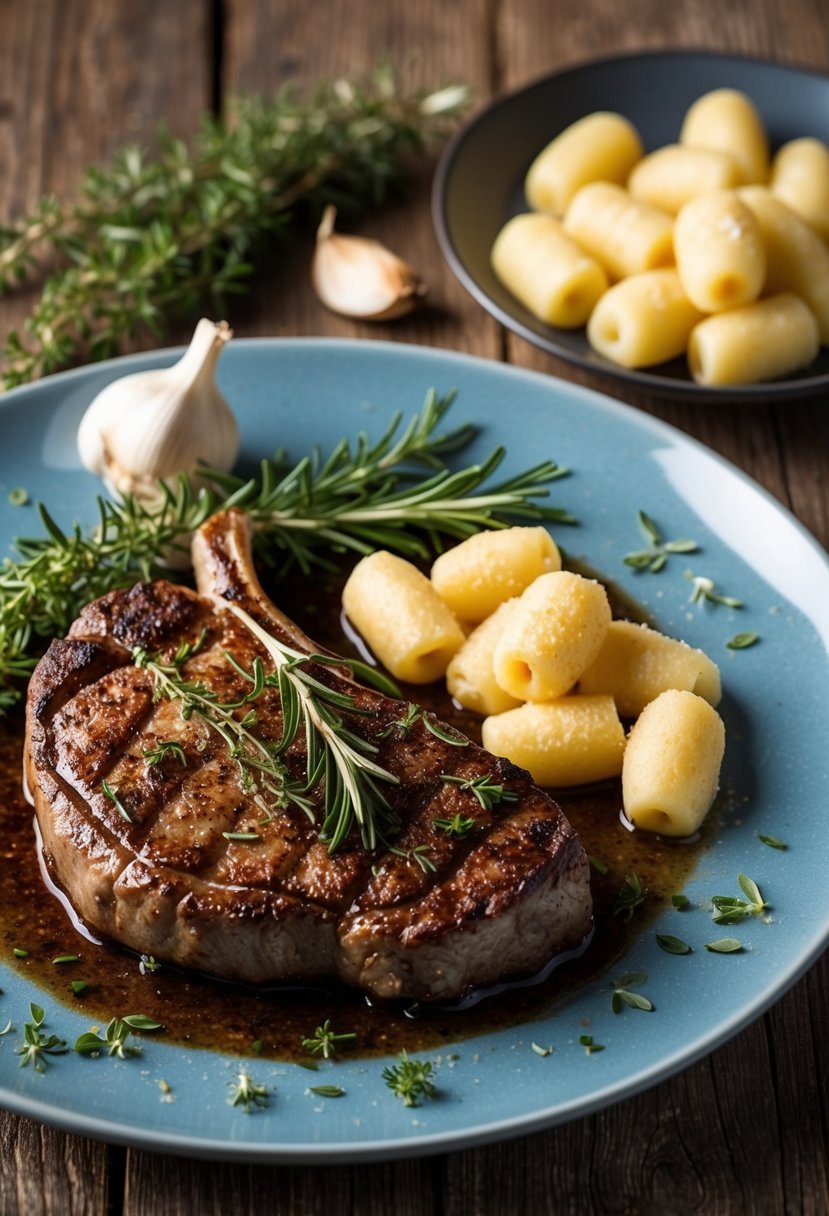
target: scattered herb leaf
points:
(410, 1080)
(37, 1045)
(247, 1094)
(457, 826)
(325, 1042)
(78, 986)
(705, 589)
(656, 556)
(672, 945)
(631, 896)
(114, 1040)
(19, 953)
(624, 994)
(598, 865)
(542, 1051)
(488, 792)
(729, 909)
(742, 641)
(724, 945)
(419, 855)
(680, 901)
(18, 497)
(772, 842)
(64, 958)
(326, 1091)
(111, 794)
(163, 749)
(590, 1048)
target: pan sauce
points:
(205, 1012)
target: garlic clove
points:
(359, 277)
(154, 425)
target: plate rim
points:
(200, 1146)
(640, 380)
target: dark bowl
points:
(479, 183)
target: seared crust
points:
(501, 901)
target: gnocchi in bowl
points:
(615, 206)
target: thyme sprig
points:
(630, 897)
(730, 909)
(36, 1043)
(324, 1042)
(411, 1080)
(655, 557)
(623, 993)
(154, 236)
(245, 1092)
(364, 495)
(488, 792)
(113, 1042)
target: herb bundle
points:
(362, 496)
(153, 236)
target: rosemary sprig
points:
(369, 496)
(152, 237)
(303, 514)
(335, 755)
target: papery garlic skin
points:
(356, 276)
(154, 425)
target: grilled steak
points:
(142, 849)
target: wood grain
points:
(745, 1130)
(432, 44)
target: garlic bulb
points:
(359, 277)
(154, 425)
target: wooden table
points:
(743, 1131)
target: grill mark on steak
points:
(499, 902)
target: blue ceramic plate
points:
(480, 180)
(298, 393)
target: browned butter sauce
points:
(204, 1012)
